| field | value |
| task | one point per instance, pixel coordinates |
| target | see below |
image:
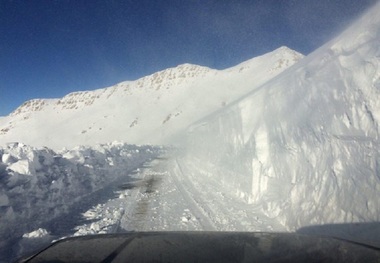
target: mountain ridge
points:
(181, 71)
(143, 111)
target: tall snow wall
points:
(305, 145)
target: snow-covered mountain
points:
(305, 145)
(147, 110)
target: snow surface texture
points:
(39, 184)
(144, 111)
(305, 145)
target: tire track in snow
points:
(229, 214)
(218, 214)
(136, 220)
(196, 206)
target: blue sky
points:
(49, 48)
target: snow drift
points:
(305, 145)
(39, 184)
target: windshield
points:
(249, 116)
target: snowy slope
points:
(147, 110)
(305, 145)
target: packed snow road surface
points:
(165, 196)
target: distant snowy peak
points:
(285, 57)
(147, 110)
(183, 74)
(164, 79)
(280, 59)
(284, 50)
(172, 77)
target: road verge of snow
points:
(39, 184)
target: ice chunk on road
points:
(22, 167)
(37, 233)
